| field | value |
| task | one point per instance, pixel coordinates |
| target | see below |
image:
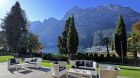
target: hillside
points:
(89, 22)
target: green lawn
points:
(129, 71)
(48, 64)
(126, 71)
(5, 58)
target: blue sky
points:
(43, 9)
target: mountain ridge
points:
(87, 20)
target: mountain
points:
(89, 22)
(48, 31)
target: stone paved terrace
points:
(33, 73)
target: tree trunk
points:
(135, 54)
(16, 52)
(30, 51)
(107, 49)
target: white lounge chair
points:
(12, 63)
(27, 60)
(108, 71)
(89, 65)
(72, 63)
(33, 62)
(59, 69)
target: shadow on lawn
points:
(127, 68)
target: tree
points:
(136, 28)
(106, 42)
(112, 46)
(33, 43)
(60, 44)
(62, 40)
(72, 38)
(133, 38)
(120, 37)
(15, 26)
(3, 41)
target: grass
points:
(5, 58)
(48, 64)
(129, 71)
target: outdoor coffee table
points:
(22, 66)
(79, 72)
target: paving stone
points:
(32, 73)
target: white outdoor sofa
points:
(88, 65)
(33, 62)
(59, 69)
(107, 71)
(12, 63)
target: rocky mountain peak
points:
(88, 21)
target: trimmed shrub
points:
(59, 57)
(108, 57)
(96, 57)
(47, 56)
(91, 57)
(81, 56)
(54, 57)
(102, 58)
(114, 58)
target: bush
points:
(59, 57)
(96, 57)
(114, 58)
(54, 57)
(87, 54)
(47, 56)
(91, 57)
(81, 56)
(108, 57)
(102, 58)
(128, 60)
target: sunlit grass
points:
(5, 58)
(46, 64)
(129, 71)
(49, 64)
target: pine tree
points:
(72, 38)
(60, 44)
(64, 36)
(120, 37)
(62, 39)
(15, 28)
